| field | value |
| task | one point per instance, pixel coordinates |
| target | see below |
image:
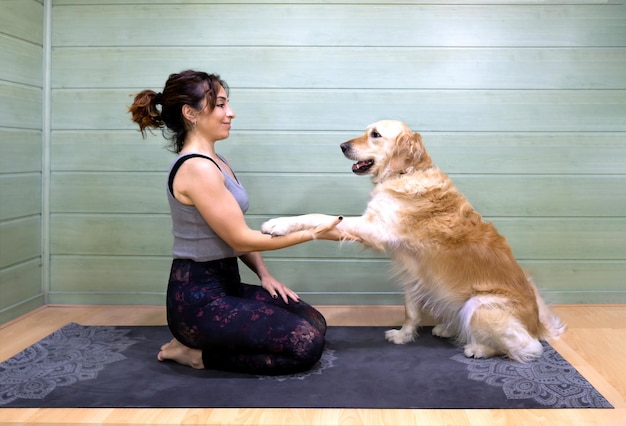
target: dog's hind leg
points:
(492, 330)
(441, 330)
(515, 343)
(412, 320)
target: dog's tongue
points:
(357, 167)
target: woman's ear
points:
(189, 113)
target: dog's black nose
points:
(345, 146)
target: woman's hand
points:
(329, 231)
(275, 288)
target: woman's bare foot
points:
(177, 352)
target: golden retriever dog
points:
(451, 263)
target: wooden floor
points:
(595, 344)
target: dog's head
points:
(387, 148)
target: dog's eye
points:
(375, 134)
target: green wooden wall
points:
(21, 83)
(523, 103)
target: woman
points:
(217, 321)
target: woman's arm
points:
(198, 182)
(255, 262)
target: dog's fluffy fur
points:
(450, 261)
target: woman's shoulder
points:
(195, 160)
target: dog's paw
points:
(278, 227)
(476, 350)
(400, 337)
(441, 331)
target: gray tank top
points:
(193, 237)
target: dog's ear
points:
(408, 152)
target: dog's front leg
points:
(281, 226)
(412, 320)
(355, 228)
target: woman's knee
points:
(308, 343)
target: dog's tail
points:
(551, 326)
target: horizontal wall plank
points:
(22, 62)
(359, 2)
(150, 235)
(104, 298)
(138, 235)
(20, 240)
(20, 195)
(98, 193)
(530, 238)
(22, 19)
(348, 67)
(559, 238)
(556, 297)
(590, 296)
(492, 195)
(22, 308)
(426, 110)
(143, 235)
(158, 299)
(343, 24)
(362, 277)
(128, 275)
(109, 274)
(92, 298)
(20, 151)
(544, 195)
(20, 106)
(577, 276)
(19, 283)
(537, 153)
(318, 152)
(75, 151)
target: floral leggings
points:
(240, 327)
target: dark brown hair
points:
(189, 87)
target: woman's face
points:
(215, 124)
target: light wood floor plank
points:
(595, 344)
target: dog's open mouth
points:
(362, 167)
